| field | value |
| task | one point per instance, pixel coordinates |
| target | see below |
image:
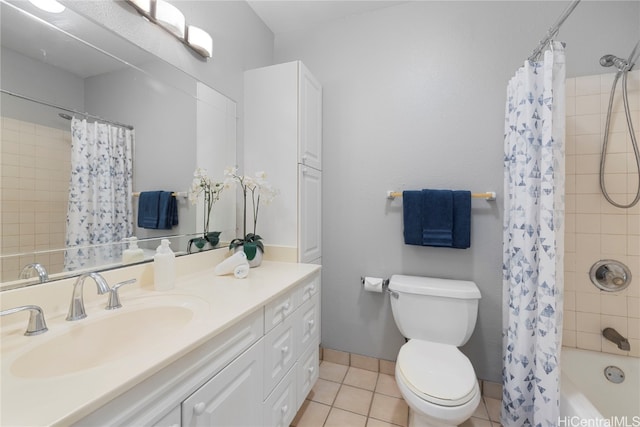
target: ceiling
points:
(283, 16)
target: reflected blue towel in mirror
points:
(437, 218)
(157, 210)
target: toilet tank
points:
(437, 310)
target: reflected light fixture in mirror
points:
(171, 19)
(51, 6)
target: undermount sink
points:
(118, 334)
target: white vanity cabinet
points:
(283, 137)
(256, 372)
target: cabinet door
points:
(310, 214)
(231, 397)
(310, 116)
(308, 323)
(279, 353)
(308, 370)
(281, 406)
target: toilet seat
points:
(437, 373)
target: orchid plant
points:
(259, 190)
(203, 184)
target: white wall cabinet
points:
(283, 137)
(257, 372)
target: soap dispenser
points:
(164, 267)
(133, 253)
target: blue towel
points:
(148, 210)
(461, 219)
(157, 210)
(439, 218)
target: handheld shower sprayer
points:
(612, 60)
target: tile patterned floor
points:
(346, 396)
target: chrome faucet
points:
(38, 268)
(76, 309)
(36, 325)
(613, 336)
(114, 298)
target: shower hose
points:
(634, 141)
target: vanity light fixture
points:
(51, 6)
(200, 41)
(171, 19)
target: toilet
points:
(435, 378)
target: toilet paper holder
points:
(385, 287)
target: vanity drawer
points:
(308, 289)
(308, 371)
(308, 323)
(281, 406)
(278, 310)
(279, 353)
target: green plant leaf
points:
(250, 249)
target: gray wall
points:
(36, 79)
(414, 98)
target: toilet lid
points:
(438, 373)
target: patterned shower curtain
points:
(533, 245)
(100, 207)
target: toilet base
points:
(420, 420)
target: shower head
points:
(612, 60)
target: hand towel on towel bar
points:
(437, 218)
(157, 210)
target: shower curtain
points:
(100, 189)
(533, 245)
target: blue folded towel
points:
(437, 218)
(157, 210)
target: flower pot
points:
(257, 258)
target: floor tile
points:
(311, 414)
(324, 392)
(361, 378)
(387, 385)
(390, 409)
(332, 371)
(372, 422)
(354, 399)
(481, 411)
(476, 422)
(339, 418)
(494, 407)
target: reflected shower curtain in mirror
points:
(100, 190)
(533, 244)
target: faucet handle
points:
(114, 298)
(36, 325)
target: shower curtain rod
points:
(551, 33)
(66, 116)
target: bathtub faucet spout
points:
(613, 336)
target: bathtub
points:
(588, 395)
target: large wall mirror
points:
(60, 70)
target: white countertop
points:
(217, 301)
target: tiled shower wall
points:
(595, 229)
(35, 164)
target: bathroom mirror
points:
(63, 63)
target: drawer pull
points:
(311, 322)
(199, 408)
(285, 349)
(311, 369)
(284, 409)
(286, 306)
